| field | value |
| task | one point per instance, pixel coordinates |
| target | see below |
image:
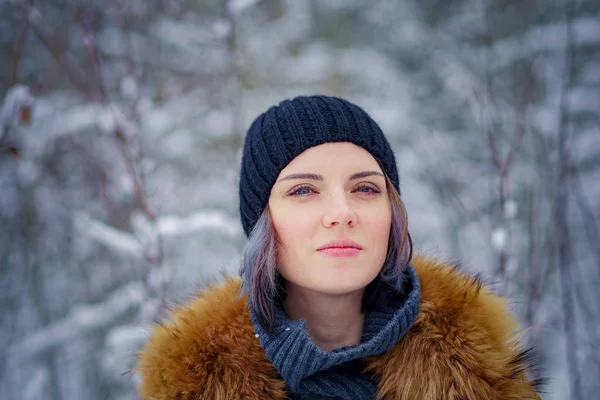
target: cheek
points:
(293, 229)
(379, 227)
(291, 249)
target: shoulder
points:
(463, 344)
(451, 297)
(207, 349)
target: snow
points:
(213, 220)
(188, 35)
(498, 239)
(129, 87)
(238, 6)
(510, 208)
(178, 144)
(107, 235)
(81, 283)
(29, 172)
(78, 322)
(146, 230)
(218, 123)
(112, 42)
(34, 15)
(118, 345)
(37, 385)
(17, 97)
(546, 38)
(312, 64)
(79, 119)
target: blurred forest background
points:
(120, 134)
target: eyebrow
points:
(317, 177)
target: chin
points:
(335, 277)
(341, 285)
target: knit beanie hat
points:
(284, 131)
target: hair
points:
(266, 287)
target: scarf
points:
(312, 373)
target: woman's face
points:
(329, 194)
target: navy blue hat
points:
(282, 132)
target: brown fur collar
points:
(462, 346)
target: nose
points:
(339, 212)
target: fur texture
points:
(462, 346)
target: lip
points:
(341, 248)
(340, 251)
(341, 243)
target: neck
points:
(332, 321)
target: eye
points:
(367, 189)
(303, 190)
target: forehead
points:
(333, 156)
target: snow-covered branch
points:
(202, 220)
(238, 6)
(128, 243)
(87, 318)
(586, 31)
(79, 321)
(111, 237)
(16, 109)
(17, 99)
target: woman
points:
(331, 303)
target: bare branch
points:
(515, 143)
(19, 50)
(589, 219)
(561, 205)
(88, 38)
(71, 67)
(236, 67)
(79, 322)
(534, 264)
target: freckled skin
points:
(308, 214)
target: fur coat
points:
(463, 345)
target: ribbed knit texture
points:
(312, 373)
(282, 132)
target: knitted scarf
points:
(312, 373)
